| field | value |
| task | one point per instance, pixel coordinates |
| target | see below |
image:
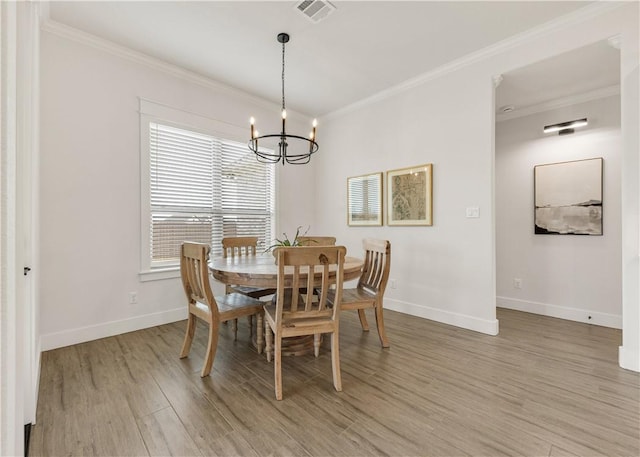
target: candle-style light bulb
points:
(284, 117)
(313, 132)
(252, 121)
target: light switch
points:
(473, 212)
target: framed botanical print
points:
(364, 199)
(409, 196)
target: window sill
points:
(159, 274)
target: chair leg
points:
(212, 346)
(259, 332)
(227, 290)
(335, 361)
(316, 344)
(268, 336)
(277, 368)
(234, 327)
(380, 324)
(188, 337)
(363, 320)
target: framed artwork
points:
(409, 199)
(364, 199)
(568, 198)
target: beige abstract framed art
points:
(568, 197)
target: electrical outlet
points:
(473, 212)
(133, 298)
(393, 283)
(517, 283)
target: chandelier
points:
(303, 148)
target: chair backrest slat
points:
(309, 292)
(375, 272)
(295, 288)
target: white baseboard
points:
(629, 360)
(562, 312)
(490, 327)
(94, 332)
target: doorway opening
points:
(568, 276)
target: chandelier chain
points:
(283, 107)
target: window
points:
(201, 188)
(364, 200)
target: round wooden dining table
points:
(261, 270)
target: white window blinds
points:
(364, 198)
(202, 189)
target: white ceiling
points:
(362, 48)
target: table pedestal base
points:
(295, 345)
(298, 345)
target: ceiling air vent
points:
(315, 10)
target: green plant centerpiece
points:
(286, 241)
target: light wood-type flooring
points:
(542, 387)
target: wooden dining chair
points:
(317, 240)
(238, 246)
(194, 270)
(369, 292)
(243, 246)
(295, 313)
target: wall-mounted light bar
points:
(564, 128)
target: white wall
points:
(446, 272)
(571, 277)
(443, 272)
(90, 183)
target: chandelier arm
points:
(282, 149)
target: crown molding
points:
(560, 103)
(43, 11)
(615, 42)
(124, 52)
(581, 15)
